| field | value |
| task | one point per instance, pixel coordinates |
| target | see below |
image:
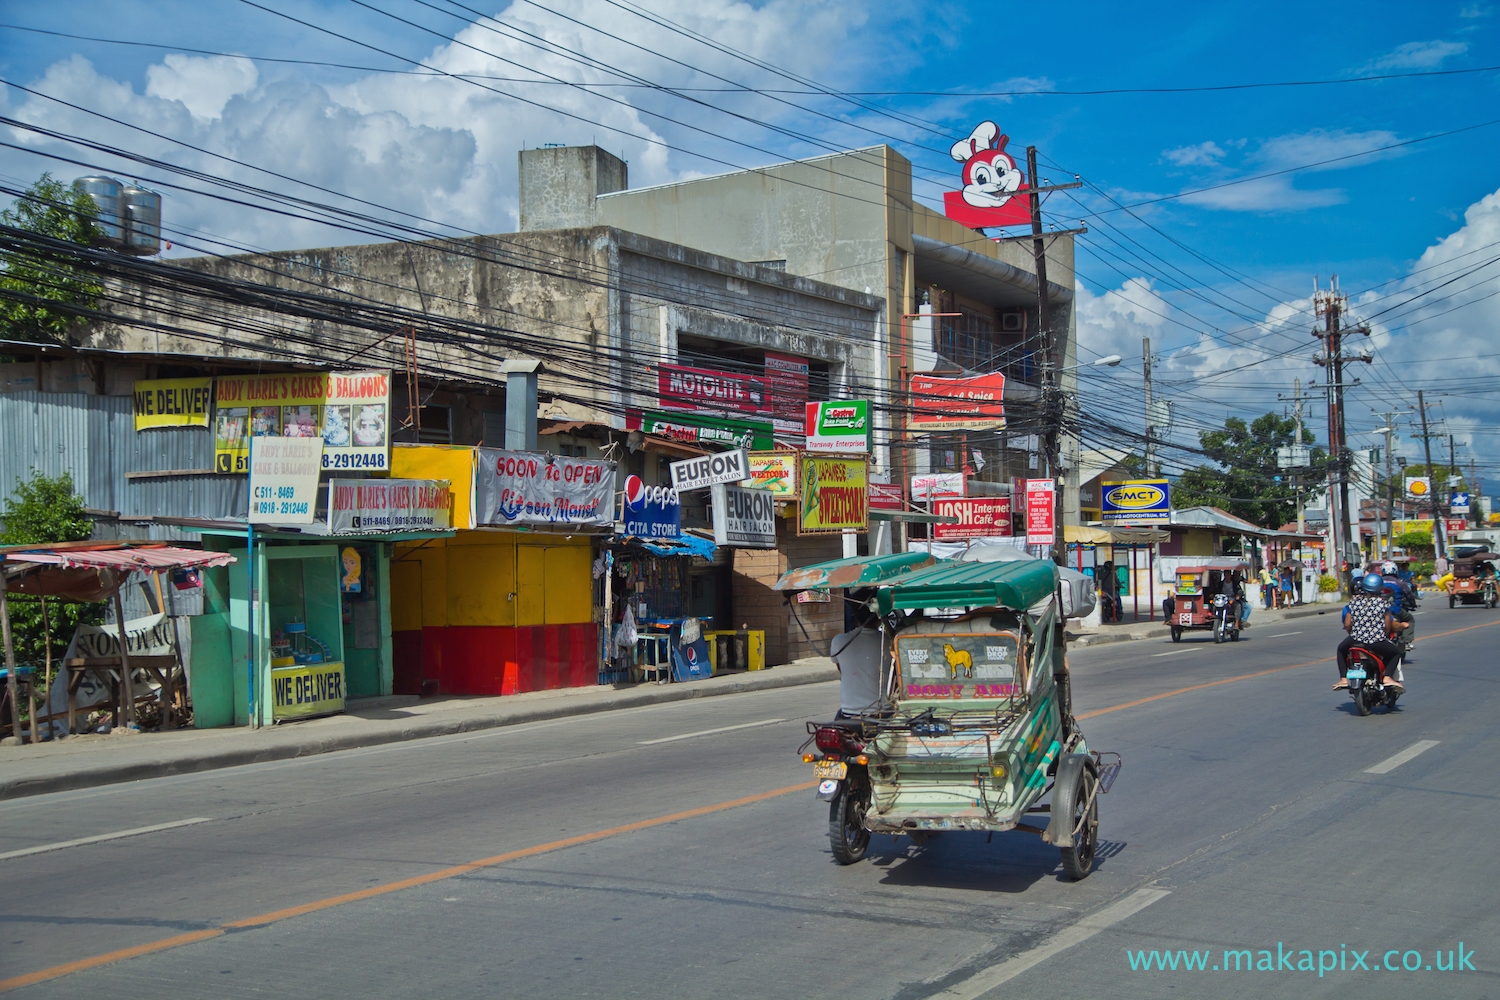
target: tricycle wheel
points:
(1176, 633)
(1083, 811)
(1452, 600)
(846, 825)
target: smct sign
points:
(1136, 500)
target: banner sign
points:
(1136, 500)
(749, 520)
(842, 425)
(148, 636)
(835, 495)
(682, 388)
(994, 191)
(284, 479)
(363, 505)
(774, 471)
(936, 486)
(1041, 510)
(527, 487)
(651, 511)
(886, 496)
(349, 410)
(718, 431)
(978, 517)
(709, 470)
(786, 379)
(1418, 487)
(173, 402)
(309, 689)
(957, 404)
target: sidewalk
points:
(1259, 617)
(86, 761)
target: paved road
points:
(1245, 817)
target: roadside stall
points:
(135, 655)
(648, 593)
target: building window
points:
(573, 450)
(969, 340)
(436, 425)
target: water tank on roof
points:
(142, 211)
(106, 194)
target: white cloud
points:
(1204, 154)
(1115, 322)
(1418, 55)
(204, 84)
(1266, 194)
(1317, 145)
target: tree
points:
(1245, 479)
(45, 509)
(48, 208)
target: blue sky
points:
(1219, 281)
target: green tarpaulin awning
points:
(1018, 585)
(859, 571)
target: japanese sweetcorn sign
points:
(350, 411)
(774, 471)
(173, 402)
(834, 495)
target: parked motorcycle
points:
(1366, 680)
(1226, 619)
(841, 767)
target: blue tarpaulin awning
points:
(684, 544)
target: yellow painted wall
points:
(492, 578)
(482, 578)
(406, 595)
(570, 588)
(1198, 542)
(454, 463)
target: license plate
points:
(1355, 673)
(837, 770)
(1185, 619)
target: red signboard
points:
(1455, 524)
(786, 380)
(994, 189)
(886, 496)
(945, 404)
(1041, 524)
(978, 517)
(682, 388)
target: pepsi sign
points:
(651, 511)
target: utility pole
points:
(1437, 533)
(1331, 306)
(1052, 402)
(1390, 488)
(1297, 478)
(1146, 364)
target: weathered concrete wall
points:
(559, 184)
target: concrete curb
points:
(95, 775)
(1162, 631)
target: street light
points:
(1108, 361)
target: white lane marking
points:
(1283, 635)
(982, 982)
(63, 844)
(1170, 652)
(709, 732)
(1391, 763)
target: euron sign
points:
(1137, 500)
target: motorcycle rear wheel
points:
(846, 825)
(1362, 700)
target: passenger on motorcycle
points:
(1368, 621)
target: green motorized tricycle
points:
(974, 725)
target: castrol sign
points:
(710, 470)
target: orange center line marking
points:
(1245, 677)
(177, 941)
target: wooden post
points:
(127, 687)
(10, 664)
(170, 704)
(47, 659)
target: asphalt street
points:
(672, 851)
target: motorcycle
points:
(1226, 619)
(842, 770)
(1366, 680)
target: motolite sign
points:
(651, 511)
(749, 519)
(709, 470)
(1136, 500)
(978, 517)
(682, 388)
(1041, 510)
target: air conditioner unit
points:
(1013, 322)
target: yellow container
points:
(756, 657)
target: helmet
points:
(1372, 583)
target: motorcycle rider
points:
(1403, 599)
(1368, 621)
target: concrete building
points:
(849, 220)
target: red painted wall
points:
(472, 659)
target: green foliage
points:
(45, 509)
(1245, 479)
(1409, 540)
(48, 208)
(1327, 584)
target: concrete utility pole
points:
(1331, 307)
(1146, 364)
(1390, 488)
(1437, 527)
(1296, 477)
(1052, 402)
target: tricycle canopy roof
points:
(1017, 585)
(858, 571)
(1218, 563)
